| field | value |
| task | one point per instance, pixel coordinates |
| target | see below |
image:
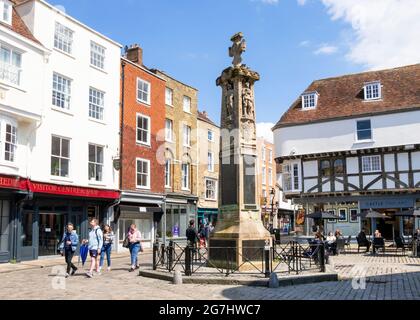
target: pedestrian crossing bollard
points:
(177, 277)
(274, 281)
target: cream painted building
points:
(208, 138)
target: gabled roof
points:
(343, 97)
(19, 26)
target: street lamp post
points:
(273, 195)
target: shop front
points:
(180, 210)
(285, 220)
(394, 225)
(44, 214)
(207, 215)
(12, 191)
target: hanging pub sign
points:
(300, 217)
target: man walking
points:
(95, 243)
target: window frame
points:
(170, 137)
(94, 46)
(65, 42)
(372, 170)
(184, 98)
(13, 144)
(362, 130)
(140, 80)
(210, 133)
(293, 179)
(60, 157)
(66, 95)
(270, 176)
(167, 89)
(168, 173)
(148, 173)
(188, 175)
(100, 109)
(17, 69)
(9, 5)
(372, 90)
(308, 98)
(96, 163)
(141, 115)
(206, 189)
(210, 164)
(186, 134)
(264, 175)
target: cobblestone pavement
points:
(388, 277)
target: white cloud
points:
(326, 49)
(264, 130)
(301, 2)
(267, 1)
(304, 43)
(386, 32)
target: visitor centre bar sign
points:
(387, 203)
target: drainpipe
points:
(122, 120)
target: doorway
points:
(51, 228)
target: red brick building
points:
(142, 137)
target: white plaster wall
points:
(403, 162)
(310, 168)
(352, 165)
(22, 104)
(310, 183)
(389, 162)
(317, 137)
(415, 160)
(75, 123)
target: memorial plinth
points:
(239, 234)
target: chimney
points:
(205, 114)
(135, 54)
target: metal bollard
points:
(267, 262)
(162, 254)
(170, 255)
(188, 250)
(155, 254)
(322, 256)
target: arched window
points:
(325, 168)
(339, 167)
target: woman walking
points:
(68, 247)
(134, 239)
(107, 247)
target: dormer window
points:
(6, 11)
(373, 91)
(309, 100)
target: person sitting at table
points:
(363, 240)
(331, 243)
(377, 234)
(338, 234)
(319, 236)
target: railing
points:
(10, 73)
(286, 258)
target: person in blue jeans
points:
(68, 247)
(107, 247)
(134, 239)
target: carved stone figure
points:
(236, 50)
(247, 101)
(229, 104)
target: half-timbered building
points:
(352, 143)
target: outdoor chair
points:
(378, 243)
(364, 243)
(347, 243)
(312, 252)
(400, 244)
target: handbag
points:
(126, 243)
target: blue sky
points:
(290, 42)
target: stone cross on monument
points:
(239, 233)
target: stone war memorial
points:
(239, 236)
